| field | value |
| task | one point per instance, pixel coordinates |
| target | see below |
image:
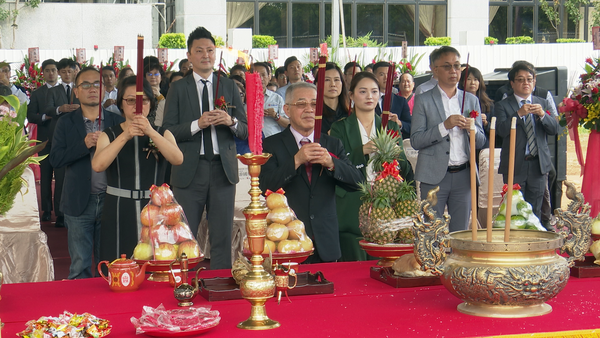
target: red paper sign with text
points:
(80, 55)
(314, 55)
(119, 54)
(324, 49)
(273, 52)
(34, 54)
(163, 55)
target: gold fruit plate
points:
(278, 258)
(160, 269)
(387, 252)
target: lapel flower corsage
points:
(473, 114)
(151, 149)
(220, 103)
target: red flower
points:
(578, 97)
(473, 114)
(393, 133)
(548, 112)
(220, 103)
(590, 61)
(409, 66)
(516, 186)
(364, 44)
(594, 90)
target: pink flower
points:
(590, 61)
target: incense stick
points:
(511, 176)
(490, 206)
(473, 164)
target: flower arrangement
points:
(409, 66)
(168, 66)
(118, 66)
(582, 107)
(29, 76)
(15, 150)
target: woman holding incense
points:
(355, 131)
(335, 96)
(134, 156)
(476, 86)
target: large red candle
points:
(387, 99)
(320, 92)
(139, 85)
(255, 105)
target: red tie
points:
(307, 165)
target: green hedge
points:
(219, 41)
(263, 41)
(491, 40)
(519, 40)
(569, 40)
(438, 41)
(361, 41)
(172, 40)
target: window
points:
(498, 23)
(273, 21)
(305, 25)
(401, 25)
(370, 20)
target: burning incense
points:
(320, 93)
(490, 206)
(139, 83)
(511, 176)
(100, 101)
(473, 166)
(218, 78)
(387, 100)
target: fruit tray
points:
(386, 275)
(225, 288)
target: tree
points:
(571, 8)
(11, 15)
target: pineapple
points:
(387, 151)
(374, 216)
(406, 205)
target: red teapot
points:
(124, 274)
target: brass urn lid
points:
(520, 241)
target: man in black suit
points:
(399, 105)
(60, 101)
(204, 133)
(73, 147)
(534, 123)
(309, 172)
(36, 113)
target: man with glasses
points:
(204, 132)
(36, 113)
(532, 155)
(59, 102)
(73, 148)
(293, 71)
(309, 171)
(440, 132)
(5, 76)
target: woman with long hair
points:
(356, 132)
(335, 96)
(476, 86)
(134, 156)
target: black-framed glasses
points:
(449, 67)
(131, 102)
(87, 85)
(304, 104)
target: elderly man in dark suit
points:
(204, 133)
(60, 100)
(532, 156)
(36, 113)
(309, 172)
(440, 132)
(73, 147)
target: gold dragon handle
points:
(574, 225)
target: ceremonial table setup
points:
(359, 307)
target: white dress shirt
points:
(112, 95)
(458, 155)
(299, 136)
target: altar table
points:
(359, 307)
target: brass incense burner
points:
(258, 285)
(503, 279)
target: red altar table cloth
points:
(359, 307)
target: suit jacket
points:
(348, 132)
(313, 203)
(504, 111)
(400, 107)
(69, 150)
(182, 107)
(36, 109)
(434, 150)
(56, 97)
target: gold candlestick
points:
(258, 285)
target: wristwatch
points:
(234, 120)
(277, 116)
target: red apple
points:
(165, 252)
(149, 215)
(145, 235)
(182, 232)
(191, 249)
(172, 213)
(161, 195)
(162, 233)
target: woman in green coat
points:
(356, 132)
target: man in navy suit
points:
(532, 155)
(73, 147)
(36, 113)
